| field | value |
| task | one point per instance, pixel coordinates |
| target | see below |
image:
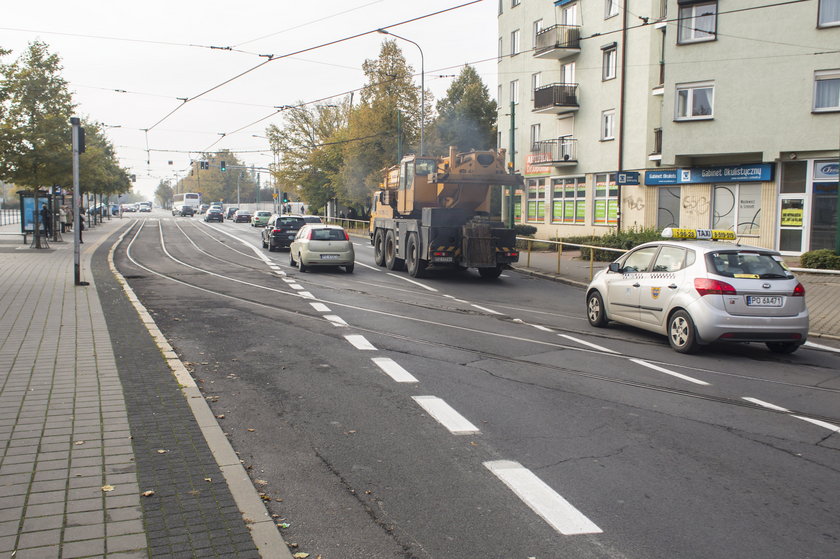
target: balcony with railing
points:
(556, 98)
(557, 42)
(561, 152)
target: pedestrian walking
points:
(62, 218)
(46, 219)
(68, 218)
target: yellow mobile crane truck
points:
(434, 213)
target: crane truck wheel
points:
(416, 265)
(391, 261)
(490, 273)
(379, 247)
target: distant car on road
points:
(702, 291)
(214, 214)
(203, 208)
(242, 216)
(312, 219)
(322, 245)
(229, 212)
(260, 219)
(183, 210)
(280, 231)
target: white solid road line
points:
(543, 328)
(764, 404)
(589, 344)
(669, 372)
(417, 283)
(336, 320)
(829, 426)
(542, 499)
(820, 346)
(446, 415)
(320, 307)
(360, 342)
(393, 369)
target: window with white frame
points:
(538, 26)
(568, 200)
(514, 3)
(605, 200)
(535, 136)
(514, 42)
(499, 56)
(498, 139)
(695, 101)
(500, 6)
(610, 8)
(697, 22)
(536, 82)
(829, 13)
(536, 200)
(514, 91)
(499, 95)
(827, 90)
(610, 53)
(737, 207)
(608, 125)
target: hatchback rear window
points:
(737, 264)
(293, 222)
(328, 235)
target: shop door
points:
(792, 219)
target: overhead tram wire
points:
(272, 58)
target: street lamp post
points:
(422, 88)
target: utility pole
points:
(77, 210)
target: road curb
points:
(267, 539)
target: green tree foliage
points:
(466, 116)
(164, 193)
(389, 97)
(216, 185)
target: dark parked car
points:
(229, 212)
(183, 210)
(214, 214)
(280, 231)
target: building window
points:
(737, 207)
(605, 200)
(499, 96)
(536, 200)
(514, 91)
(829, 13)
(608, 125)
(514, 3)
(568, 200)
(500, 6)
(697, 22)
(498, 139)
(695, 101)
(500, 50)
(536, 82)
(538, 26)
(610, 53)
(514, 42)
(827, 90)
(610, 8)
(535, 136)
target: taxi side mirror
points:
(615, 267)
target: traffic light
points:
(203, 165)
(285, 198)
(223, 166)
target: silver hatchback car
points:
(698, 292)
(317, 244)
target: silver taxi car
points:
(698, 292)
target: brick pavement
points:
(80, 429)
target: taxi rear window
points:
(741, 264)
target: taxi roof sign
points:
(706, 234)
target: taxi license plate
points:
(764, 301)
(329, 257)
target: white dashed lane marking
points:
(829, 426)
(320, 307)
(360, 342)
(336, 320)
(588, 344)
(542, 499)
(393, 369)
(485, 309)
(764, 404)
(446, 415)
(669, 372)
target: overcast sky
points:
(127, 63)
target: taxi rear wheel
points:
(595, 311)
(681, 333)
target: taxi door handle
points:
(673, 286)
(637, 284)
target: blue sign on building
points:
(759, 172)
(628, 177)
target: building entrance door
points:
(792, 233)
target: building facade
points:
(690, 113)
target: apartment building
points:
(690, 113)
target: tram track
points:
(480, 354)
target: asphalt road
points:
(454, 417)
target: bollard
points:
(528, 262)
(559, 255)
(591, 262)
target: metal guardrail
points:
(9, 216)
(560, 245)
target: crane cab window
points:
(407, 176)
(425, 166)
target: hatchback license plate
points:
(764, 301)
(329, 257)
